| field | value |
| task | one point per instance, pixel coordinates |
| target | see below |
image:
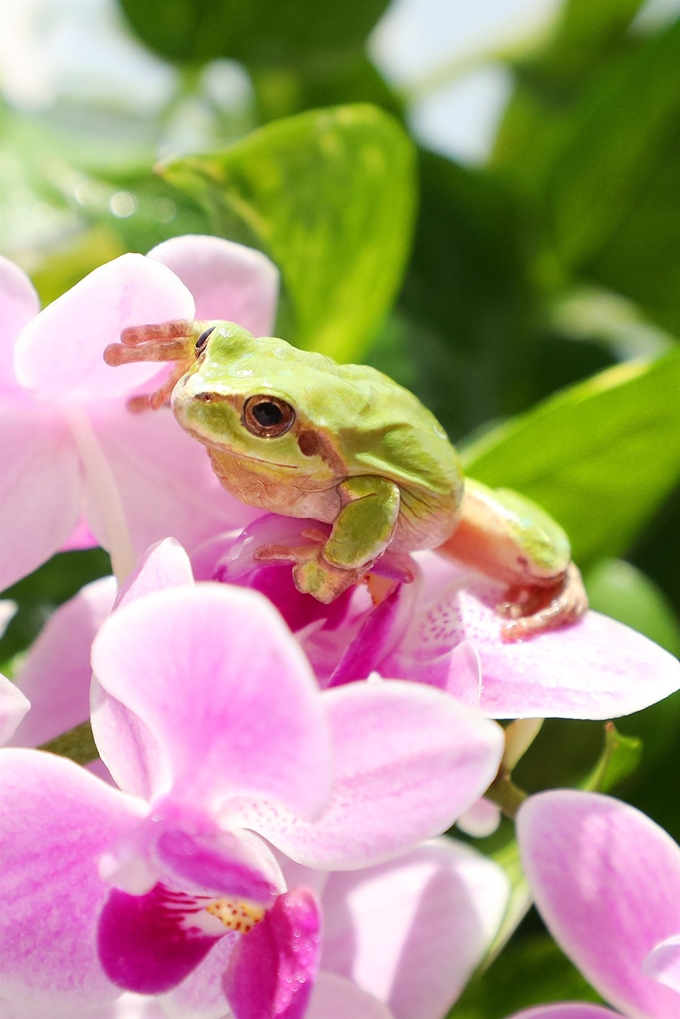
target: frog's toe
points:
(323, 582)
(551, 607)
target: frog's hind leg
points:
(534, 610)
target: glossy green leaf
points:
(600, 457)
(329, 195)
(251, 30)
(621, 756)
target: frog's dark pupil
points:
(267, 414)
(203, 338)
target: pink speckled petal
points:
(272, 970)
(663, 963)
(55, 676)
(215, 676)
(227, 280)
(411, 931)
(57, 820)
(19, 303)
(333, 996)
(408, 761)
(40, 499)
(13, 707)
(597, 668)
(60, 352)
(606, 880)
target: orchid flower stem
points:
(104, 490)
(77, 744)
(505, 794)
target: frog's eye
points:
(267, 416)
(203, 339)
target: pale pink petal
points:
(19, 303)
(606, 880)
(57, 821)
(272, 970)
(228, 281)
(163, 565)
(333, 997)
(481, 819)
(597, 668)
(200, 995)
(60, 352)
(13, 707)
(215, 675)
(56, 673)
(663, 963)
(163, 476)
(411, 932)
(41, 487)
(565, 1010)
(128, 1006)
(81, 537)
(408, 761)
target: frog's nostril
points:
(211, 397)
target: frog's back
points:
(392, 435)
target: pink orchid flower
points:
(209, 718)
(399, 940)
(442, 629)
(71, 446)
(606, 880)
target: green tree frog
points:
(292, 432)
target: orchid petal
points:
(408, 761)
(56, 673)
(164, 479)
(128, 1006)
(13, 707)
(224, 683)
(663, 963)
(606, 880)
(41, 487)
(332, 997)
(19, 303)
(150, 943)
(565, 1010)
(60, 351)
(272, 969)
(410, 932)
(57, 819)
(200, 995)
(591, 669)
(81, 537)
(163, 565)
(482, 819)
(228, 281)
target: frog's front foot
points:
(312, 573)
(534, 610)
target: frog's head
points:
(262, 400)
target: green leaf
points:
(251, 30)
(600, 456)
(620, 590)
(623, 132)
(329, 196)
(532, 971)
(621, 756)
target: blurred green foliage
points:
(505, 295)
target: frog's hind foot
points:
(534, 610)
